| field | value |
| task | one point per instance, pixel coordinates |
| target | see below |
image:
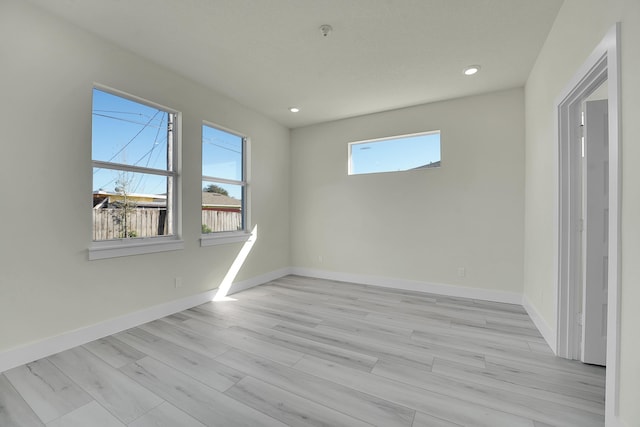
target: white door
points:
(595, 235)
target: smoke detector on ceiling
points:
(325, 30)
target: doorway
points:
(577, 187)
(594, 228)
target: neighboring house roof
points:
(156, 197)
(101, 199)
(219, 200)
(211, 200)
(429, 165)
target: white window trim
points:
(139, 246)
(240, 236)
(127, 247)
(224, 238)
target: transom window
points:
(398, 153)
(223, 181)
(134, 158)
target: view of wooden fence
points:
(221, 220)
(109, 224)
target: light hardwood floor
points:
(301, 351)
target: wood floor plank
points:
(121, 396)
(114, 352)
(436, 311)
(540, 348)
(551, 367)
(399, 319)
(364, 326)
(185, 338)
(278, 313)
(517, 350)
(14, 411)
(290, 290)
(288, 407)
(424, 420)
(432, 403)
(234, 337)
(347, 357)
(487, 378)
(514, 400)
(298, 314)
(391, 346)
(196, 365)
(230, 316)
(498, 329)
(166, 415)
(345, 399)
(49, 392)
(209, 406)
(488, 309)
(319, 308)
(393, 349)
(91, 414)
(456, 337)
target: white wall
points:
(47, 285)
(417, 225)
(578, 29)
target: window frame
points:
(226, 237)
(102, 249)
(350, 145)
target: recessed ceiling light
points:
(471, 70)
(294, 109)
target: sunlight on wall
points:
(226, 283)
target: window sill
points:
(223, 238)
(126, 247)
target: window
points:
(224, 186)
(398, 153)
(134, 156)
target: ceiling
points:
(270, 55)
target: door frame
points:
(603, 64)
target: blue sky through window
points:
(128, 132)
(222, 158)
(395, 154)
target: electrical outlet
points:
(178, 282)
(462, 272)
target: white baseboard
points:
(48, 346)
(413, 285)
(548, 334)
(258, 280)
